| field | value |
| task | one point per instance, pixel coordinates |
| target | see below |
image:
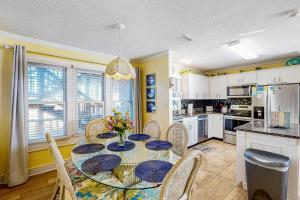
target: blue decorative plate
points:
(158, 145)
(88, 148)
(107, 135)
(153, 171)
(139, 137)
(101, 163)
(114, 146)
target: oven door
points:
(230, 123)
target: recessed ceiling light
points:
(185, 38)
(241, 49)
(251, 33)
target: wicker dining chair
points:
(177, 134)
(70, 181)
(94, 128)
(153, 129)
(177, 185)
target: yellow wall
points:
(159, 65)
(37, 158)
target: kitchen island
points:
(257, 135)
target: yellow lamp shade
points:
(120, 68)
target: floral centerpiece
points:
(119, 123)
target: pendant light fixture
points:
(120, 68)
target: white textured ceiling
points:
(154, 25)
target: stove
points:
(237, 116)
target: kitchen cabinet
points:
(268, 76)
(192, 127)
(245, 78)
(195, 86)
(290, 74)
(218, 87)
(215, 126)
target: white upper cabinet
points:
(218, 87)
(245, 78)
(267, 76)
(290, 74)
(195, 86)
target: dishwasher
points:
(202, 128)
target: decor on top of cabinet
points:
(293, 61)
(151, 93)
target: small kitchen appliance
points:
(190, 108)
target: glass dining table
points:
(123, 176)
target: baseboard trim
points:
(41, 169)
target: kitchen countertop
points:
(259, 126)
(176, 117)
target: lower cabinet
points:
(215, 126)
(192, 127)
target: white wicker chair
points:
(177, 185)
(153, 129)
(63, 181)
(177, 134)
(94, 128)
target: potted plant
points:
(119, 123)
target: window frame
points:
(70, 118)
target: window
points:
(62, 100)
(46, 100)
(90, 98)
(122, 97)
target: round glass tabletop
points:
(123, 176)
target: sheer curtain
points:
(17, 169)
(137, 101)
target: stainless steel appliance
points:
(284, 98)
(238, 115)
(239, 91)
(202, 128)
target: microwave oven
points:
(239, 91)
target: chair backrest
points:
(60, 165)
(94, 128)
(177, 134)
(153, 129)
(178, 182)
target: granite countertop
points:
(259, 126)
(194, 114)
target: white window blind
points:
(122, 96)
(89, 97)
(46, 100)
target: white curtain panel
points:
(17, 169)
(138, 101)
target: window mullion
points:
(71, 102)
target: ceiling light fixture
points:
(251, 33)
(120, 68)
(242, 50)
(186, 61)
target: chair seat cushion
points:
(75, 175)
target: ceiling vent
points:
(185, 38)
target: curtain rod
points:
(7, 46)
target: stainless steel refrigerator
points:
(283, 98)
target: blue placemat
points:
(101, 163)
(88, 148)
(114, 146)
(153, 171)
(158, 145)
(107, 135)
(139, 137)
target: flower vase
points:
(121, 138)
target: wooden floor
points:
(215, 180)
